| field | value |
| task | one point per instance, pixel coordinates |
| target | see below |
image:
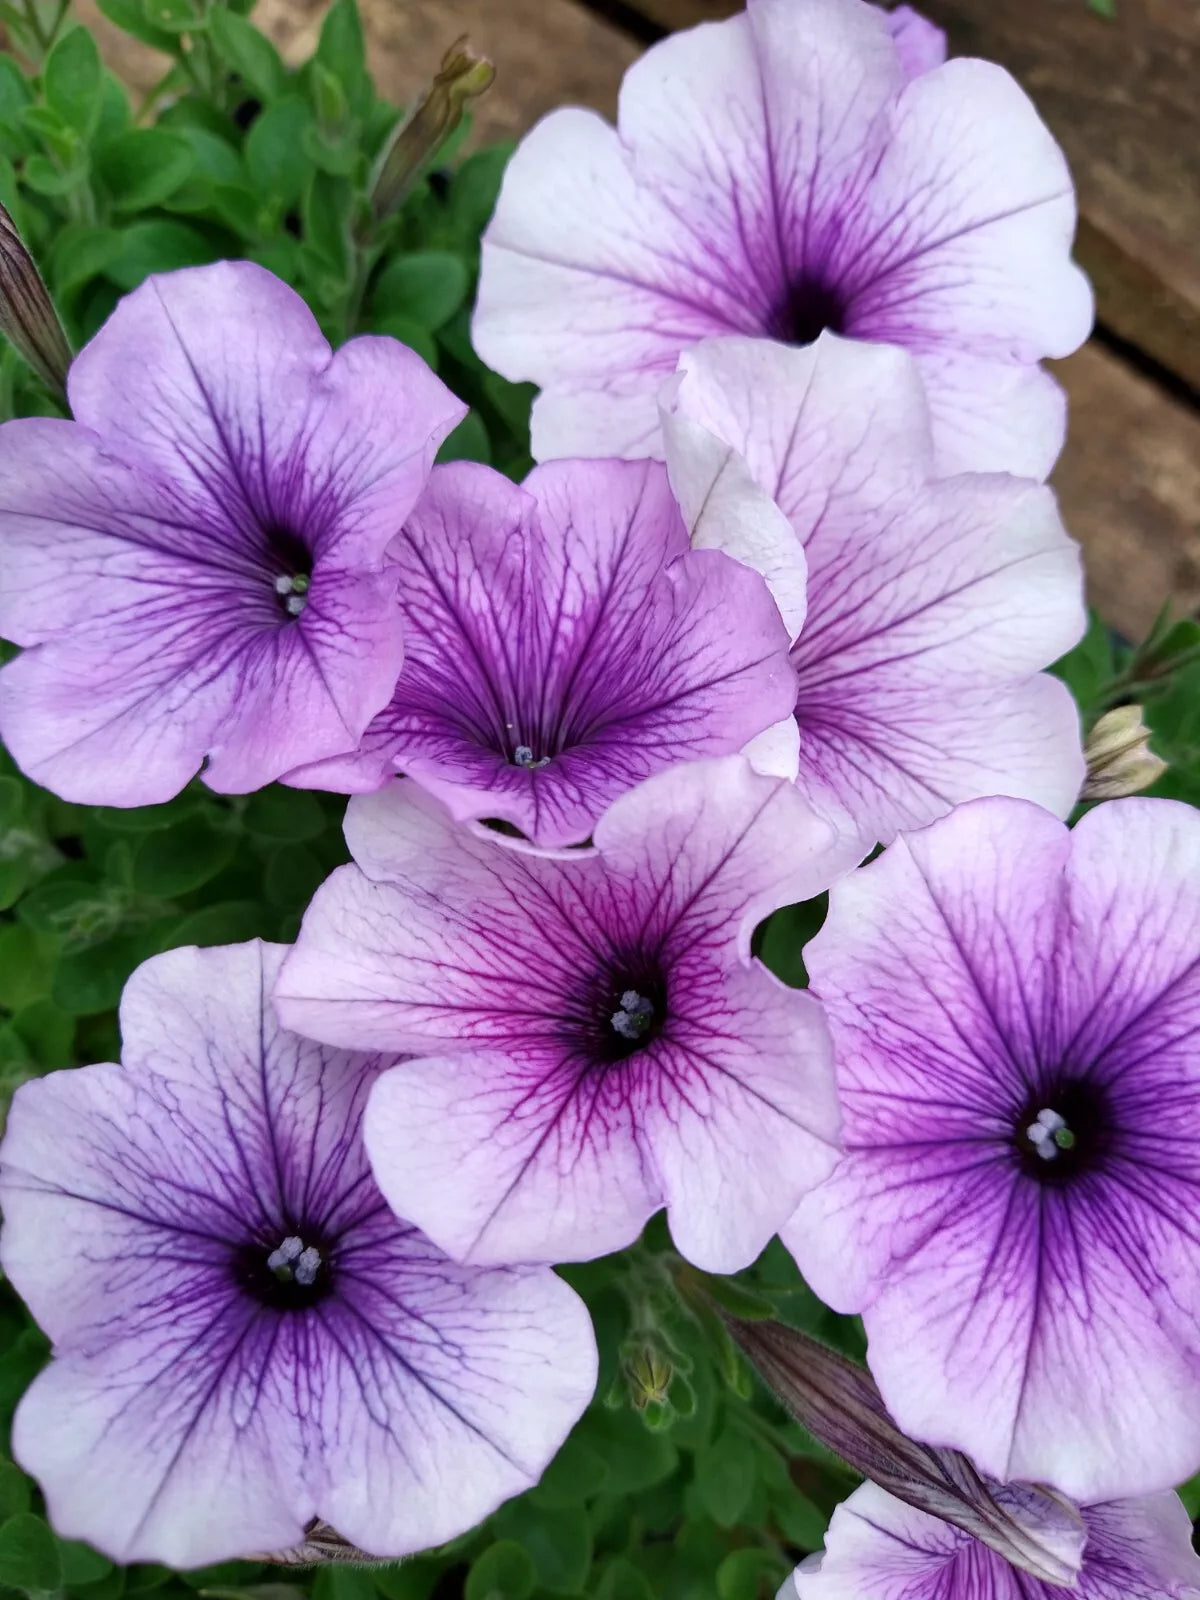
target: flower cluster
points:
(773, 597)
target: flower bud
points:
(27, 313)
(1119, 758)
(838, 1402)
(462, 76)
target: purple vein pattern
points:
(931, 603)
(1015, 1011)
(195, 564)
(592, 1037)
(878, 1548)
(790, 170)
(562, 642)
(245, 1337)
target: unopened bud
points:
(27, 313)
(1033, 1528)
(1119, 758)
(649, 1374)
(321, 1544)
(462, 76)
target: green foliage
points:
(684, 1480)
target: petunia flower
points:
(245, 1338)
(563, 641)
(931, 603)
(803, 166)
(195, 564)
(878, 1548)
(1014, 1011)
(592, 1037)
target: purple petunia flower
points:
(594, 1039)
(1014, 1011)
(804, 166)
(245, 1337)
(931, 603)
(563, 641)
(196, 562)
(877, 1548)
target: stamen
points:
(291, 589)
(1050, 1134)
(523, 757)
(634, 1017)
(294, 604)
(295, 1262)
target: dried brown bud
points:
(323, 1544)
(462, 76)
(1119, 758)
(837, 1401)
(27, 313)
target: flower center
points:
(634, 1017)
(289, 562)
(295, 1262)
(292, 1276)
(810, 309)
(292, 591)
(1065, 1130)
(522, 756)
(1049, 1135)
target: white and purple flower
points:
(245, 1337)
(195, 564)
(563, 641)
(806, 165)
(1015, 1010)
(878, 1548)
(592, 1038)
(931, 603)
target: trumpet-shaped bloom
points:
(245, 1337)
(877, 1548)
(806, 165)
(931, 603)
(592, 1037)
(195, 564)
(562, 642)
(1014, 1010)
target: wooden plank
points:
(1123, 97)
(547, 52)
(1129, 487)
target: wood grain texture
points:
(547, 52)
(1123, 98)
(1129, 487)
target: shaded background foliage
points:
(684, 1479)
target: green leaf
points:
(623, 1581)
(148, 819)
(43, 177)
(15, 92)
(1190, 1495)
(81, 1564)
(229, 922)
(47, 1032)
(175, 16)
(327, 208)
(782, 938)
(144, 167)
(274, 150)
(576, 1473)
(635, 1458)
(505, 1571)
(802, 1522)
(426, 286)
(558, 1543)
(474, 190)
(16, 1491)
(411, 334)
(343, 1583)
(294, 874)
(176, 860)
(725, 1476)
(79, 253)
(413, 1579)
(28, 1554)
(753, 1574)
(283, 814)
(26, 965)
(90, 981)
(468, 442)
(342, 52)
(71, 79)
(129, 16)
(249, 53)
(159, 246)
(1088, 667)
